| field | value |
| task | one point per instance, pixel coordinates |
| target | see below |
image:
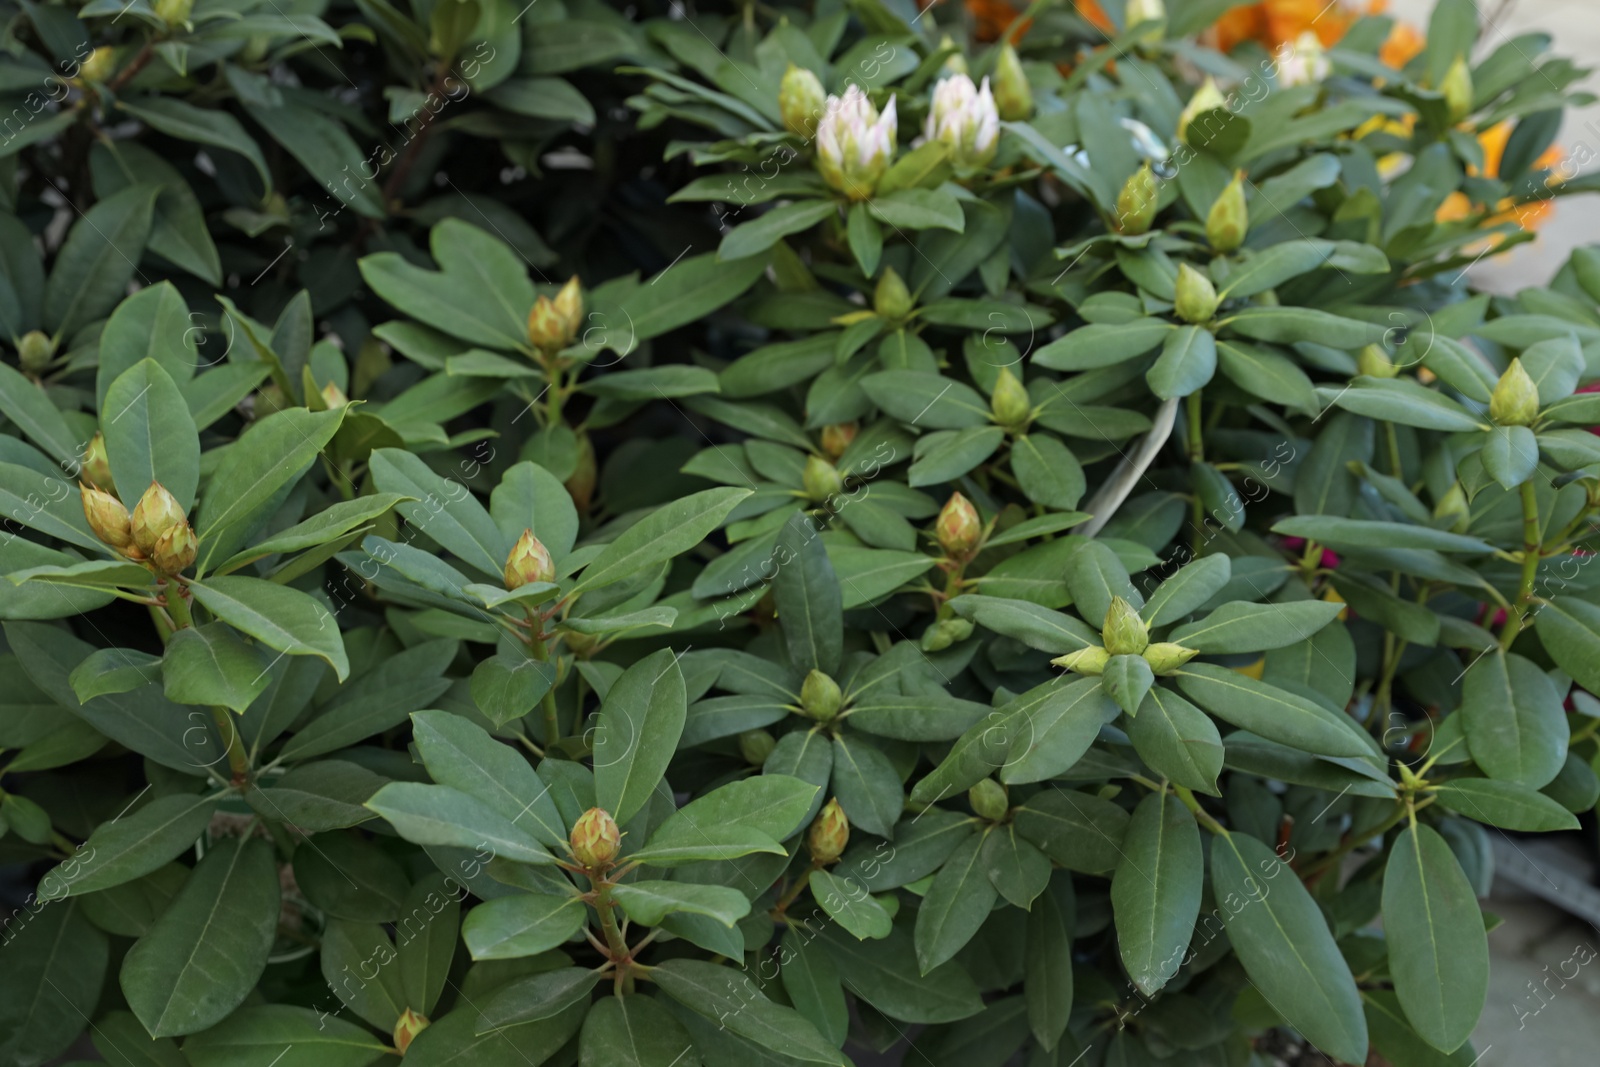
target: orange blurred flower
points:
(1529, 215)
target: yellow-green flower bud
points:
(35, 350)
(855, 143)
(1011, 406)
(829, 833)
(1515, 400)
(1373, 361)
(174, 12)
(989, 800)
(1454, 506)
(1165, 657)
(175, 550)
(595, 839)
(892, 300)
(820, 697)
(547, 329)
(1206, 98)
(1091, 661)
(98, 65)
(155, 513)
(836, 437)
(107, 517)
(96, 465)
(1228, 221)
(944, 633)
(580, 486)
(821, 479)
(1136, 204)
(1457, 89)
(955, 62)
(755, 746)
(1013, 98)
(333, 397)
(801, 101)
(406, 1030)
(958, 527)
(529, 561)
(568, 304)
(1197, 297)
(1124, 632)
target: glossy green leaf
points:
(1155, 893)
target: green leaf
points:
(203, 125)
(946, 455)
(538, 996)
(1047, 959)
(1438, 951)
(1188, 361)
(762, 233)
(1095, 575)
(1267, 375)
(298, 1037)
(918, 209)
(1569, 629)
(1510, 455)
(453, 304)
(1406, 402)
(1035, 626)
(1273, 713)
(885, 974)
(1155, 893)
(867, 786)
(53, 978)
(325, 150)
(507, 686)
(364, 950)
(1516, 729)
(1126, 680)
(324, 527)
(131, 846)
(1192, 586)
(426, 955)
(634, 1031)
(850, 905)
(460, 754)
(1287, 325)
(30, 408)
(640, 722)
(726, 996)
(648, 902)
(1103, 345)
(1285, 945)
(664, 533)
(957, 904)
(1508, 805)
(99, 259)
(1053, 733)
(926, 400)
(1177, 740)
(211, 665)
(525, 924)
(150, 436)
(1341, 533)
(447, 511)
(178, 230)
(812, 981)
(683, 293)
(1047, 471)
(271, 454)
(207, 951)
(279, 617)
(806, 594)
(1014, 865)
(1242, 627)
(439, 815)
(324, 795)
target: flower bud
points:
(820, 697)
(955, 62)
(568, 304)
(1206, 98)
(528, 562)
(1457, 89)
(755, 746)
(1091, 661)
(1197, 297)
(174, 12)
(35, 350)
(944, 633)
(1515, 400)
(1373, 361)
(1303, 61)
(855, 143)
(595, 839)
(95, 465)
(547, 330)
(333, 397)
(965, 118)
(892, 300)
(1165, 657)
(829, 833)
(1011, 406)
(1012, 96)
(175, 550)
(406, 1030)
(1229, 219)
(958, 527)
(155, 513)
(821, 479)
(1137, 203)
(989, 801)
(801, 101)
(836, 437)
(1124, 632)
(1453, 506)
(580, 486)
(98, 65)
(107, 517)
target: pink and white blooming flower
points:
(855, 143)
(964, 117)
